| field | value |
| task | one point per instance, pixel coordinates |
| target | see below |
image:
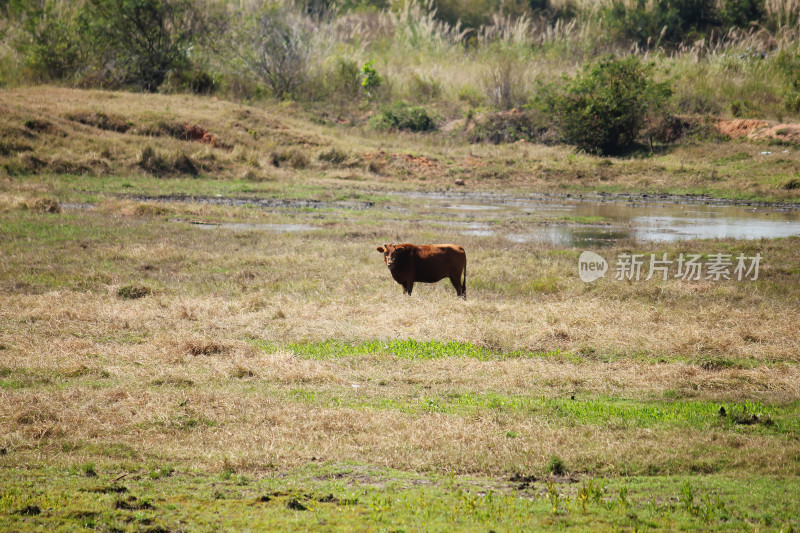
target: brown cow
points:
(427, 263)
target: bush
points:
(401, 116)
(343, 81)
(50, 38)
(667, 21)
(556, 466)
(604, 107)
(742, 12)
(145, 40)
(510, 127)
(276, 47)
(789, 65)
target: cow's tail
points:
(464, 283)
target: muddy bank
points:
(265, 203)
(600, 197)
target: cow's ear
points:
(380, 249)
(400, 249)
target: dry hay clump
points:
(152, 161)
(39, 205)
(150, 209)
(44, 205)
(201, 345)
(204, 347)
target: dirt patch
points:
(198, 134)
(783, 132)
(411, 163)
(184, 132)
(101, 121)
(739, 127)
(759, 130)
(43, 126)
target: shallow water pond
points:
(598, 221)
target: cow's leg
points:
(461, 286)
(456, 281)
(409, 286)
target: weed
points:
(792, 184)
(401, 116)
(45, 205)
(133, 291)
(338, 157)
(510, 127)
(151, 210)
(553, 497)
(89, 470)
(556, 466)
(291, 157)
(204, 347)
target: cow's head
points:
(391, 253)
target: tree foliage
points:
(276, 46)
(604, 107)
(145, 39)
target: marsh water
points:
(597, 221)
(559, 220)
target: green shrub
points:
(510, 127)
(604, 107)
(742, 12)
(789, 65)
(661, 21)
(143, 41)
(370, 79)
(401, 116)
(50, 38)
(556, 466)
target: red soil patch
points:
(196, 133)
(739, 127)
(759, 129)
(784, 132)
(422, 163)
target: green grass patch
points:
(342, 497)
(573, 411)
(427, 350)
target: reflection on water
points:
(571, 236)
(600, 222)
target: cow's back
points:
(433, 262)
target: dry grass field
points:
(161, 374)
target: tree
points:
(146, 39)
(604, 107)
